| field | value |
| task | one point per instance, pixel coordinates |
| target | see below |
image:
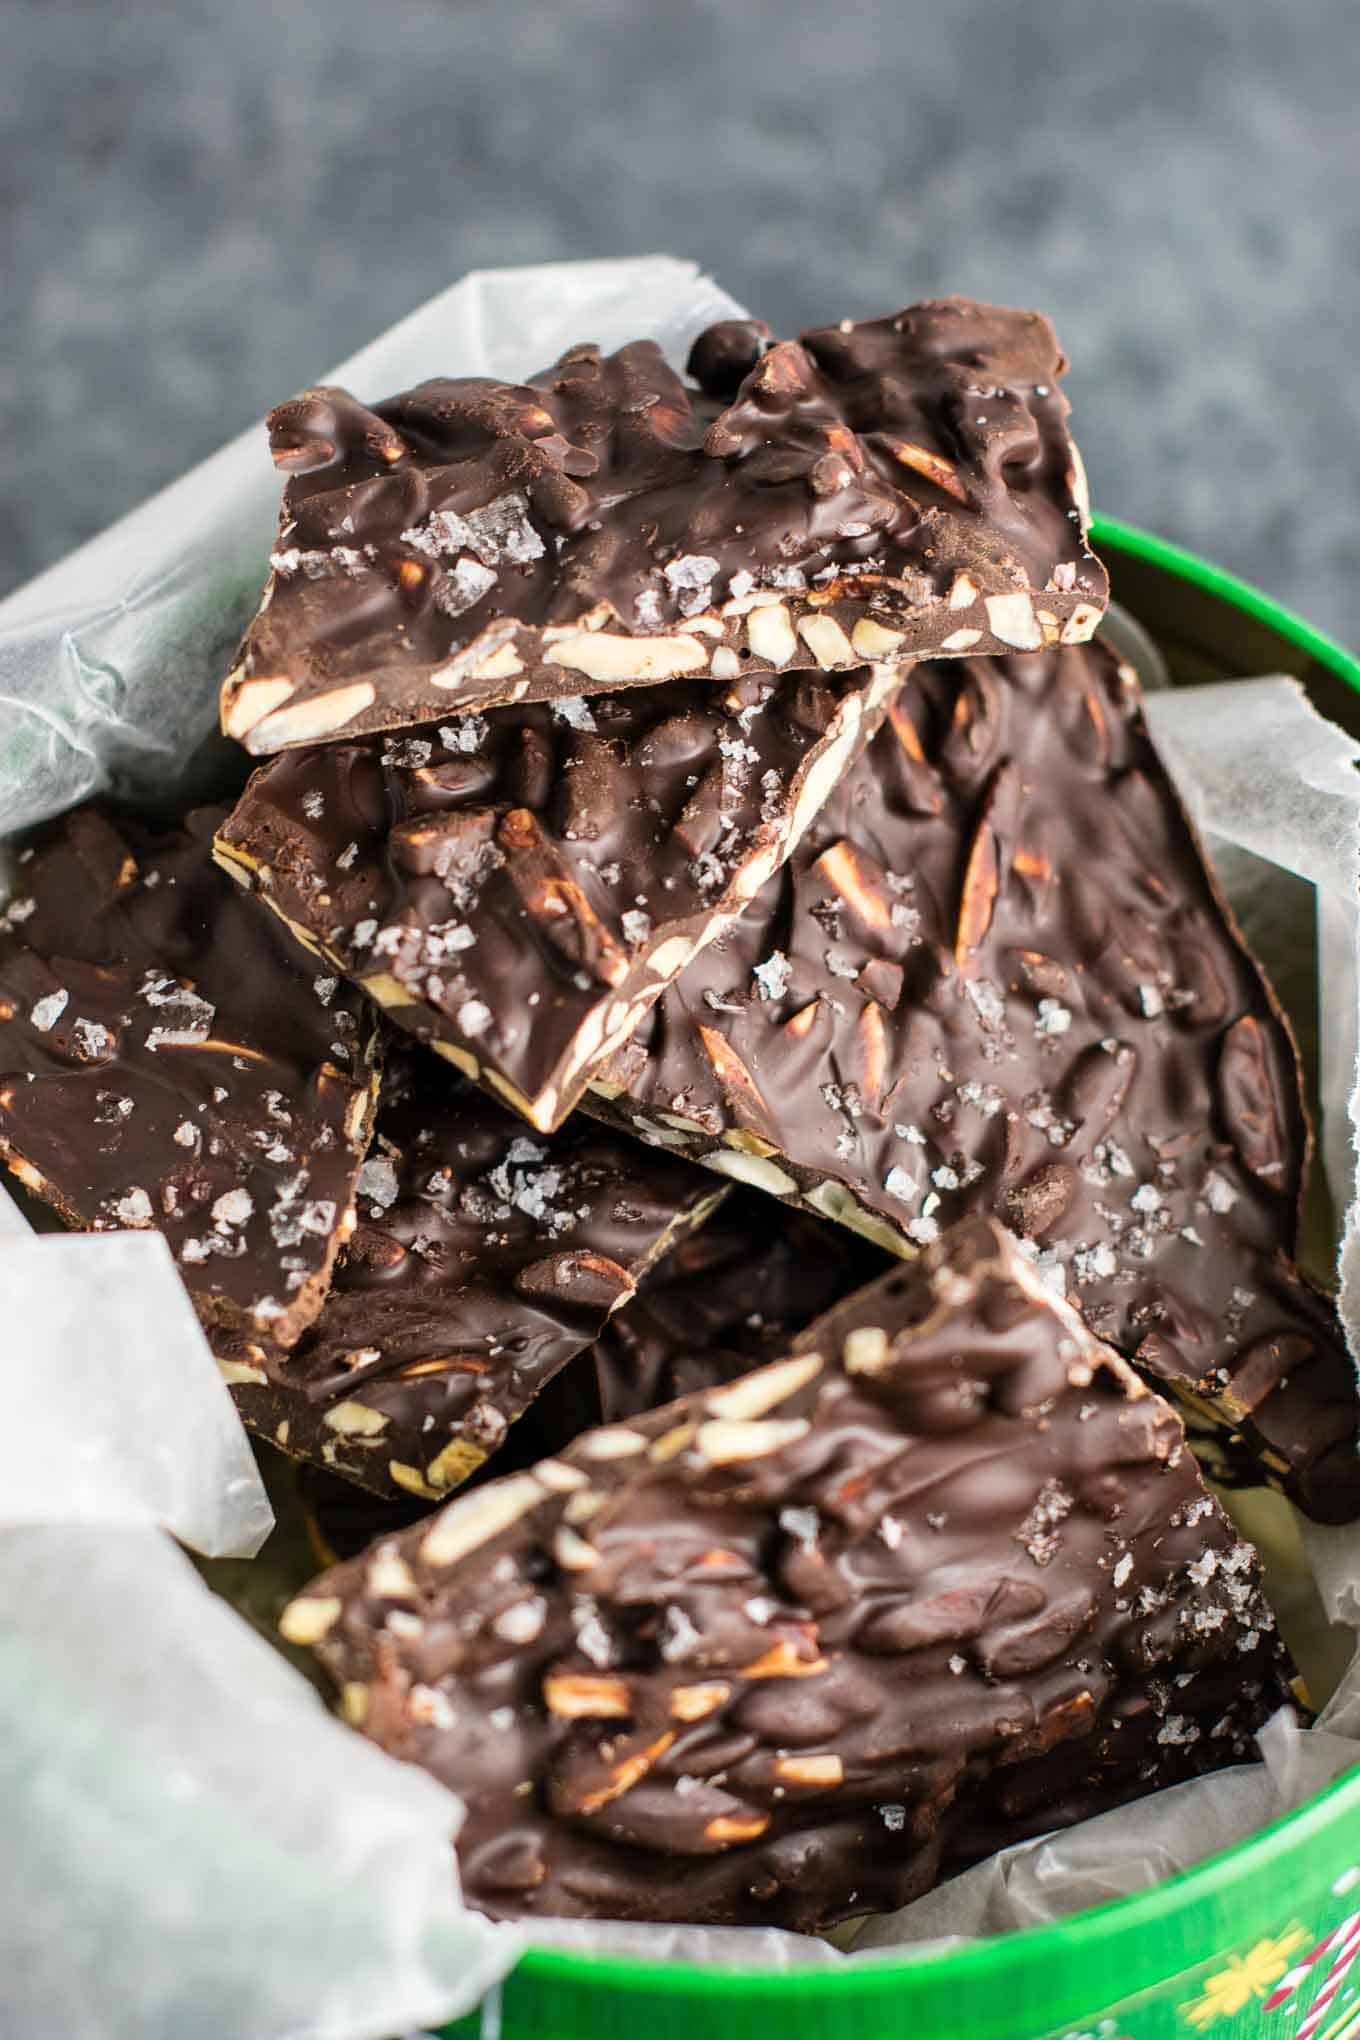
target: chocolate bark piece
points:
(518, 888)
(723, 1300)
(485, 1259)
(998, 975)
(900, 487)
(170, 1059)
(760, 1657)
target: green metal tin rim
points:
(1118, 537)
(1057, 1971)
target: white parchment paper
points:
(190, 1844)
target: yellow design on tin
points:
(1244, 1977)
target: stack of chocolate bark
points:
(730, 1054)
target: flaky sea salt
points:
(378, 1182)
(574, 710)
(772, 976)
(46, 1012)
(233, 1207)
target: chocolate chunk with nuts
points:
(518, 888)
(998, 976)
(897, 488)
(777, 1653)
(723, 1299)
(169, 1058)
(484, 1259)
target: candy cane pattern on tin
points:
(1343, 1945)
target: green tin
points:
(1261, 1942)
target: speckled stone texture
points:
(202, 207)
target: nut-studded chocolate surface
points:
(762, 1657)
(997, 976)
(518, 887)
(723, 1300)
(882, 490)
(169, 1058)
(484, 1259)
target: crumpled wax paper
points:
(111, 660)
(114, 1406)
(194, 1846)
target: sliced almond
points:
(770, 634)
(247, 702)
(724, 1443)
(476, 1518)
(572, 1552)
(932, 467)
(670, 1442)
(1080, 624)
(844, 869)
(613, 1441)
(355, 1420)
(459, 1459)
(865, 1350)
(605, 656)
(308, 720)
(502, 664)
(756, 1394)
(816, 1771)
(671, 956)
(826, 641)
(872, 640)
(781, 1661)
(627, 1774)
(309, 1618)
(726, 1828)
(1011, 618)
(389, 1577)
(581, 1696)
(561, 1479)
(411, 1479)
(239, 1373)
(692, 1703)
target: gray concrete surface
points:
(202, 203)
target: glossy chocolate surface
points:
(518, 887)
(776, 1654)
(485, 1258)
(900, 487)
(997, 976)
(170, 1058)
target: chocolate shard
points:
(725, 1298)
(526, 943)
(1081, 1044)
(898, 488)
(169, 1058)
(783, 1651)
(484, 1261)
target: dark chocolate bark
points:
(897, 488)
(997, 975)
(485, 1258)
(169, 1058)
(518, 888)
(723, 1300)
(773, 1655)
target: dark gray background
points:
(203, 204)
